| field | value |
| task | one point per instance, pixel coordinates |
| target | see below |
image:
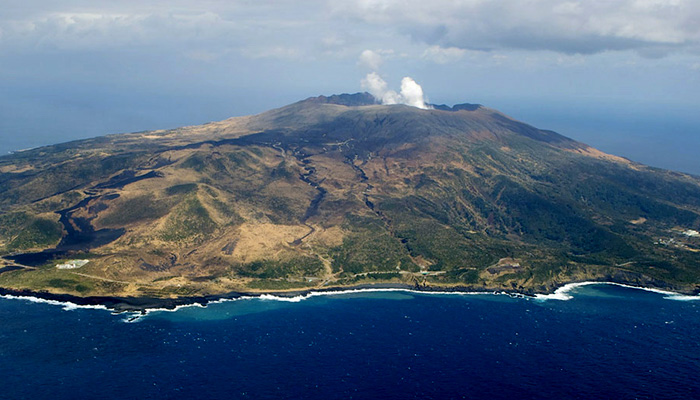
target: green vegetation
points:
(196, 162)
(189, 220)
(274, 269)
(59, 176)
(431, 237)
(184, 188)
(133, 210)
(263, 284)
(23, 231)
(369, 247)
(227, 211)
(49, 277)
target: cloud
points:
(194, 28)
(98, 31)
(203, 56)
(373, 59)
(411, 92)
(370, 59)
(279, 52)
(573, 27)
(442, 55)
(442, 29)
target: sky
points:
(623, 75)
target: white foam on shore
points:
(136, 316)
(682, 297)
(311, 294)
(562, 293)
(67, 305)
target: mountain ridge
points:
(339, 190)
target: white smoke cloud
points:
(370, 59)
(375, 85)
(411, 92)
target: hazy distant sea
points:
(604, 342)
(660, 135)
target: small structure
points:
(72, 264)
(691, 233)
(505, 265)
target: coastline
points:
(143, 305)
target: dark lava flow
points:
(80, 235)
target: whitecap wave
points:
(683, 297)
(562, 293)
(67, 305)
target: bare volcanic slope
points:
(340, 190)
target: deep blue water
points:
(606, 342)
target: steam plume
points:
(411, 93)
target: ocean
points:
(591, 341)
